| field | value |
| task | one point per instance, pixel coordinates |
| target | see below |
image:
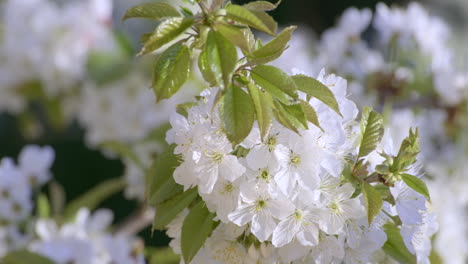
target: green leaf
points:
(316, 89)
(186, 11)
(395, 247)
(296, 115)
(385, 193)
(407, 155)
(310, 114)
(282, 119)
(268, 20)
(434, 257)
(160, 177)
(372, 199)
(93, 197)
(416, 184)
(43, 206)
(371, 131)
(171, 71)
(183, 109)
(255, 19)
(276, 82)
(238, 114)
(151, 11)
(291, 116)
(168, 210)
(261, 6)
(410, 144)
(25, 257)
(240, 152)
(163, 256)
(241, 37)
(218, 60)
(263, 104)
(167, 31)
(197, 227)
(273, 49)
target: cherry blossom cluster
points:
(405, 58)
(287, 200)
(407, 46)
(84, 240)
(64, 36)
(18, 182)
(100, 109)
(42, 32)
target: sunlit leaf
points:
(395, 246)
(276, 82)
(316, 89)
(416, 184)
(291, 116)
(263, 104)
(255, 19)
(171, 71)
(372, 199)
(273, 49)
(218, 60)
(160, 177)
(168, 210)
(261, 5)
(167, 31)
(151, 11)
(241, 37)
(238, 114)
(310, 113)
(371, 131)
(197, 227)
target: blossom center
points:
(260, 205)
(217, 157)
(265, 175)
(297, 215)
(271, 143)
(335, 207)
(295, 159)
(228, 188)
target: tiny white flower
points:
(260, 209)
(339, 208)
(301, 225)
(35, 162)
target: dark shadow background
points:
(78, 168)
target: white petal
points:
(258, 157)
(310, 181)
(308, 236)
(285, 231)
(286, 180)
(208, 180)
(262, 225)
(230, 168)
(184, 175)
(242, 215)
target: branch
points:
(141, 219)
